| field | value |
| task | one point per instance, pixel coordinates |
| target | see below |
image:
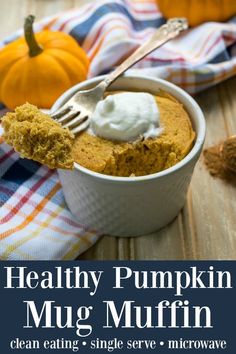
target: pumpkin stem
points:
(34, 47)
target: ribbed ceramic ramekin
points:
(132, 206)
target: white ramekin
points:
(132, 206)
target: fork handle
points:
(166, 32)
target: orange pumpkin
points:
(39, 68)
(198, 11)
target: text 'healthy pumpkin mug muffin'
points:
(134, 163)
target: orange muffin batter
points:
(142, 157)
(36, 136)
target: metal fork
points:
(75, 114)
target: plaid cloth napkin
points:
(35, 222)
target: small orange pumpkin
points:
(198, 11)
(39, 68)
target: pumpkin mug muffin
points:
(131, 134)
(113, 186)
(135, 205)
(135, 134)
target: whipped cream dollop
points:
(126, 116)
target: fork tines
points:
(71, 118)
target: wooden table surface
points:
(206, 227)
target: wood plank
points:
(13, 12)
(213, 201)
(168, 243)
(105, 249)
(42, 8)
(227, 94)
(12, 15)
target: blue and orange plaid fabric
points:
(34, 220)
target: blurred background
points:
(13, 12)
